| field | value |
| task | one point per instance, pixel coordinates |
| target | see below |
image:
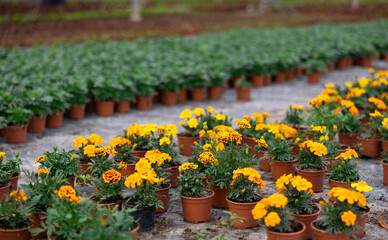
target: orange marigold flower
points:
(111, 176)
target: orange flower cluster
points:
(350, 106)
(229, 136)
(297, 182)
(380, 104)
(168, 130)
(348, 154)
(243, 123)
(18, 195)
(111, 176)
(187, 166)
(250, 174)
(119, 141)
(207, 157)
(94, 139)
(136, 130)
(351, 196)
(316, 148)
(155, 156)
(68, 193)
(92, 151)
(320, 100)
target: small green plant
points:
(17, 115)
(109, 186)
(190, 181)
(14, 211)
(294, 115)
(244, 83)
(314, 66)
(245, 182)
(343, 170)
(311, 156)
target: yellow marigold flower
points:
(243, 123)
(2, 155)
(69, 193)
(119, 141)
(259, 211)
(187, 166)
(384, 123)
(376, 114)
(111, 176)
(182, 123)
(122, 165)
(143, 165)
(155, 156)
(361, 187)
(42, 171)
(210, 109)
(206, 157)
(207, 147)
(380, 104)
(297, 107)
(329, 91)
(134, 180)
(79, 141)
(277, 200)
(18, 195)
(371, 70)
(164, 140)
(349, 218)
(250, 174)
(348, 154)
(261, 142)
(316, 148)
(40, 158)
(329, 85)
(324, 138)
(192, 123)
(220, 147)
(89, 150)
(95, 139)
(186, 114)
(220, 117)
(272, 219)
(301, 184)
(199, 112)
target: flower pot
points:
(289, 75)
(84, 170)
(4, 192)
(197, 94)
(145, 215)
(243, 210)
(112, 205)
(271, 235)
(267, 79)
(77, 112)
(314, 78)
(343, 148)
(143, 103)
(349, 61)
(329, 160)
(187, 142)
(169, 98)
(278, 168)
(320, 235)
(384, 146)
(330, 67)
(215, 93)
(139, 153)
(251, 143)
(37, 219)
(370, 147)
(134, 232)
(182, 95)
(341, 63)
(54, 120)
(298, 71)
(365, 61)
(16, 134)
(376, 57)
(163, 196)
(280, 77)
(257, 81)
(15, 234)
(71, 181)
(244, 94)
(91, 105)
(105, 108)
(14, 182)
(123, 106)
(346, 138)
(174, 174)
(234, 81)
(385, 173)
(129, 170)
(307, 219)
(385, 56)
(315, 177)
(220, 194)
(197, 210)
(37, 124)
(264, 165)
(361, 221)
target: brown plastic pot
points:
(37, 124)
(129, 170)
(197, 210)
(16, 134)
(251, 143)
(182, 95)
(220, 195)
(243, 210)
(37, 219)
(298, 71)
(384, 146)
(77, 112)
(264, 165)
(314, 78)
(197, 94)
(385, 173)
(112, 205)
(169, 98)
(307, 219)
(54, 120)
(321, 235)
(134, 232)
(244, 94)
(174, 174)
(346, 138)
(105, 108)
(91, 105)
(187, 142)
(163, 197)
(14, 182)
(267, 79)
(215, 93)
(15, 234)
(143, 103)
(139, 153)
(4, 192)
(370, 147)
(315, 177)
(271, 235)
(280, 77)
(71, 181)
(257, 81)
(361, 221)
(341, 63)
(289, 75)
(279, 168)
(365, 61)
(376, 57)
(385, 56)
(123, 106)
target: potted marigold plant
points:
(14, 220)
(242, 197)
(38, 103)
(384, 162)
(311, 165)
(244, 88)
(5, 185)
(339, 217)
(384, 131)
(349, 127)
(370, 143)
(108, 189)
(274, 213)
(294, 116)
(141, 136)
(299, 194)
(196, 199)
(10, 169)
(124, 155)
(17, 118)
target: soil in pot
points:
(163, 196)
(174, 174)
(37, 124)
(243, 94)
(316, 177)
(105, 108)
(123, 106)
(77, 112)
(197, 210)
(145, 215)
(197, 94)
(297, 234)
(320, 235)
(278, 168)
(187, 142)
(307, 219)
(243, 210)
(215, 93)
(314, 78)
(54, 120)
(16, 134)
(15, 234)
(370, 147)
(169, 98)
(143, 103)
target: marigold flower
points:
(376, 114)
(199, 112)
(119, 141)
(143, 165)
(79, 141)
(89, 150)
(186, 114)
(348, 154)
(69, 193)
(18, 195)
(95, 139)
(192, 123)
(122, 165)
(111, 176)
(220, 146)
(187, 166)
(2, 155)
(207, 147)
(243, 123)
(384, 123)
(380, 104)
(283, 181)
(301, 184)
(42, 171)
(155, 156)
(210, 109)
(349, 218)
(259, 211)
(164, 140)
(250, 174)
(220, 117)
(206, 157)
(40, 158)
(272, 219)
(361, 186)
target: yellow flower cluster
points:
(92, 139)
(350, 106)
(164, 140)
(42, 171)
(111, 176)
(384, 123)
(320, 129)
(170, 130)
(348, 154)
(380, 104)
(320, 100)
(122, 165)
(349, 218)
(261, 208)
(40, 158)
(155, 156)
(192, 123)
(92, 151)
(223, 128)
(249, 173)
(272, 219)
(2, 155)
(186, 166)
(297, 182)
(316, 148)
(261, 142)
(355, 92)
(260, 117)
(186, 114)
(18, 195)
(376, 114)
(136, 130)
(329, 91)
(351, 196)
(361, 187)
(119, 141)
(229, 136)
(69, 193)
(211, 133)
(207, 157)
(280, 131)
(243, 123)
(296, 107)
(219, 117)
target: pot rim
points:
(287, 234)
(201, 198)
(241, 203)
(184, 135)
(312, 171)
(384, 163)
(369, 139)
(16, 230)
(309, 215)
(162, 189)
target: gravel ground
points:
(273, 99)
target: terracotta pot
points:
(280, 77)
(278, 168)
(341, 63)
(365, 61)
(251, 143)
(16, 134)
(182, 95)
(123, 106)
(91, 105)
(54, 120)
(197, 210)
(77, 112)
(112, 205)
(15, 234)
(385, 173)
(264, 165)
(376, 57)
(267, 79)
(320, 235)
(296, 149)
(314, 78)
(174, 174)
(84, 170)
(134, 232)
(307, 219)
(220, 194)
(244, 94)
(4, 192)
(234, 81)
(350, 61)
(155, 98)
(37, 219)
(330, 67)
(298, 71)
(289, 75)
(215, 93)
(71, 181)
(197, 94)
(315, 177)
(37, 124)
(384, 146)
(243, 210)
(385, 56)
(169, 98)
(163, 196)
(370, 147)
(14, 182)
(343, 148)
(361, 221)
(143, 103)
(271, 235)
(129, 170)
(257, 81)
(187, 142)
(346, 138)
(139, 153)
(329, 160)
(105, 108)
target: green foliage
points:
(107, 192)
(244, 83)
(349, 123)
(191, 184)
(17, 115)
(12, 164)
(343, 171)
(144, 196)
(294, 116)
(324, 116)
(124, 154)
(60, 161)
(14, 214)
(278, 149)
(299, 202)
(314, 66)
(243, 191)
(309, 161)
